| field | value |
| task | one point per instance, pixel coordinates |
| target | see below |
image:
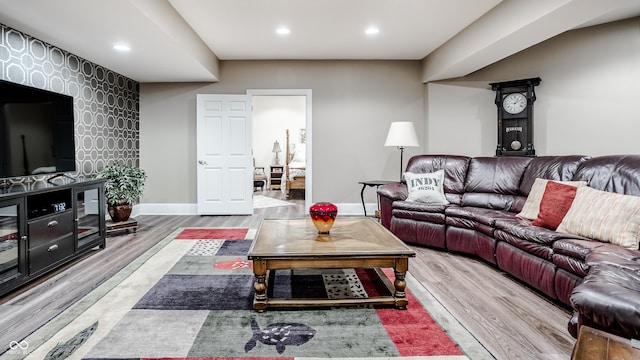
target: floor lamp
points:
(401, 134)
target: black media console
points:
(43, 226)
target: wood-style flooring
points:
(509, 319)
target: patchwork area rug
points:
(261, 202)
(190, 297)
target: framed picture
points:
(303, 136)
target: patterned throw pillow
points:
(426, 188)
(604, 216)
(531, 207)
(555, 204)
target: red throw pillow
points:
(556, 201)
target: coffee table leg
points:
(402, 265)
(260, 285)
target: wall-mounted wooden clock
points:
(514, 100)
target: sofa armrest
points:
(609, 298)
(387, 194)
(393, 192)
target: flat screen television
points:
(36, 131)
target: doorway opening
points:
(276, 114)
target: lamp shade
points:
(276, 147)
(402, 134)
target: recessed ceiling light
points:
(121, 47)
(372, 30)
(283, 31)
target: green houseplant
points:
(123, 186)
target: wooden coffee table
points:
(352, 243)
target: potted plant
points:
(124, 185)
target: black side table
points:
(375, 183)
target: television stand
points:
(71, 178)
(45, 226)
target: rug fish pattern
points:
(279, 335)
(65, 349)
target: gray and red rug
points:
(191, 298)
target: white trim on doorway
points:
(308, 192)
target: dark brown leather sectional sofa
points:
(599, 281)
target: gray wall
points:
(106, 104)
(354, 102)
(587, 102)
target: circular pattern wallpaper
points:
(106, 104)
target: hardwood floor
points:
(509, 319)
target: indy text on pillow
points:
(426, 188)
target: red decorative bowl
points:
(323, 214)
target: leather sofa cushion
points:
(538, 249)
(616, 256)
(418, 211)
(418, 216)
(523, 229)
(527, 267)
(564, 283)
(608, 297)
(471, 241)
(571, 264)
(500, 202)
(478, 214)
(499, 175)
(613, 173)
(523, 235)
(418, 207)
(578, 256)
(578, 248)
(469, 224)
(455, 171)
(561, 168)
(493, 182)
(419, 232)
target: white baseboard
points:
(350, 209)
(355, 209)
(164, 209)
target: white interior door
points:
(225, 167)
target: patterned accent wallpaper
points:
(106, 103)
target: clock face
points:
(514, 103)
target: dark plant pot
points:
(120, 212)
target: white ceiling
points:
(183, 40)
